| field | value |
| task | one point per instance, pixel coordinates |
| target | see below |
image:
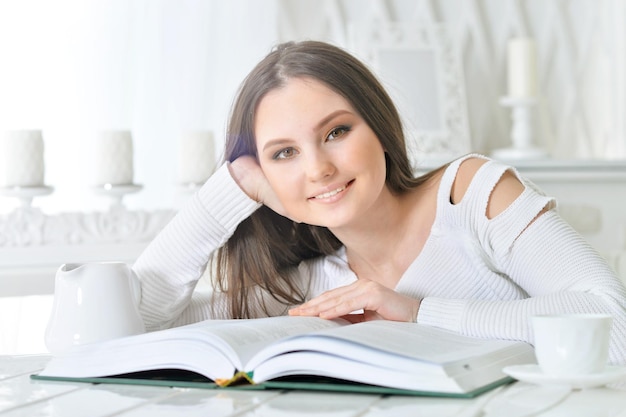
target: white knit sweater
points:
(476, 276)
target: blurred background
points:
(162, 67)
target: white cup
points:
(572, 344)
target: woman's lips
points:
(331, 193)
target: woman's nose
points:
(319, 166)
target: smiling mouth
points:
(331, 193)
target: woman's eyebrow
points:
(275, 142)
(330, 117)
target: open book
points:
(375, 356)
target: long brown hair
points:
(266, 247)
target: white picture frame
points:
(420, 68)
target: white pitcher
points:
(93, 302)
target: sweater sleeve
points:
(171, 265)
(556, 270)
(561, 273)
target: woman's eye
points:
(338, 132)
(285, 153)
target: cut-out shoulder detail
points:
(505, 192)
(464, 176)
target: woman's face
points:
(322, 160)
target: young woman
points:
(316, 212)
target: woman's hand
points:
(376, 301)
(250, 177)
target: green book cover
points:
(183, 379)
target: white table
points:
(22, 396)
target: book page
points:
(419, 341)
(393, 354)
(214, 348)
(397, 345)
(246, 337)
(309, 363)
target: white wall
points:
(160, 67)
(156, 67)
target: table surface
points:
(22, 396)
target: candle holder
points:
(522, 130)
(25, 195)
(115, 193)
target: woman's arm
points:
(171, 265)
(561, 273)
(548, 259)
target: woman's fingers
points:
(334, 303)
(369, 298)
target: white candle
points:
(522, 68)
(196, 157)
(113, 158)
(22, 158)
